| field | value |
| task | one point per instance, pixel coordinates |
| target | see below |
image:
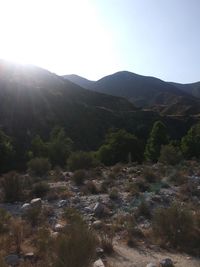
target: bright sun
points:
(61, 35)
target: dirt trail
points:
(133, 257)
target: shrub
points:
(91, 188)
(150, 176)
(174, 225)
(76, 246)
(4, 220)
(33, 216)
(170, 154)
(114, 194)
(39, 166)
(12, 187)
(144, 210)
(40, 189)
(81, 160)
(79, 177)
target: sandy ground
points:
(138, 257)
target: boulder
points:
(166, 263)
(12, 260)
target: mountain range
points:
(147, 92)
(34, 101)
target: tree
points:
(59, 146)
(157, 138)
(118, 147)
(38, 147)
(190, 143)
(6, 152)
(170, 154)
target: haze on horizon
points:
(94, 38)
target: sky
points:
(94, 38)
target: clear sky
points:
(94, 38)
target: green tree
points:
(190, 143)
(120, 146)
(170, 154)
(6, 152)
(59, 146)
(38, 147)
(157, 138)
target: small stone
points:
(152, 265)
(36, 202)
(58, 227)
(12, 259)
(25, 206)
(166, 263)
(29, 256)
(97, 224)
(98, 263)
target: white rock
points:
(98, 263)
(25, 206)
(36, 202)
(58, 227)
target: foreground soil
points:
(140, 257)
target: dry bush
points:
(76, 246)
(150, 176)
(106, 239)
(177, 226)
(4, 221)
(114, 193)
(90, 188)
(16, 232)
(12, 185)
(79, 177)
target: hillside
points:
(145, 91)
(33, 100)
(190, 88)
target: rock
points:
(100, 252)
(29, 256)
(25, 207)
(97, 224)
(152, 265)
(166, 263)
(98, 263)
(62, 203)
(12, 260)
(99, 210)
(58, 227)
(36, 202)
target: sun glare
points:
(60, 35)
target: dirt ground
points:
(140, 257)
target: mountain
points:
(82, 82)
(190, 88)
(146, 92)
(34, 100)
